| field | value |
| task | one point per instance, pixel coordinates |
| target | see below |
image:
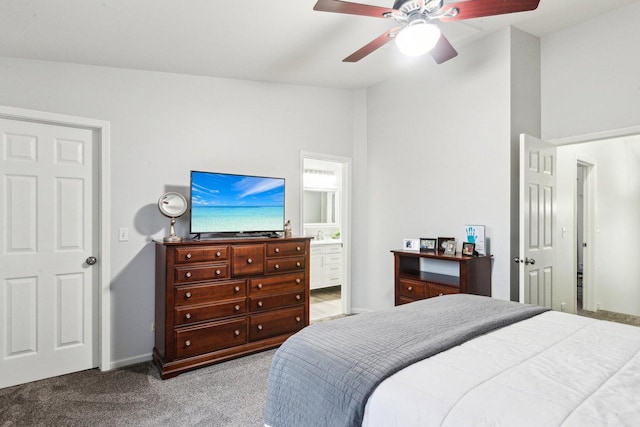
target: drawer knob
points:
(298, 297)
(260, 304)
(277, 250)
(298, 264)
(188, 274)
(187, 316)
(259, 285)
(249, 261)
(236, 308)
(298, 281)
(410, 288)
(259, 327)
(236, 332)
(440, 294)
(277, 266)
(187, 343)
(218, 272)
(237, 289)
(218, 254)
(187, 295)
(298, 319)
(298, 248)
(188, 256)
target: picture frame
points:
(475, 234)
(411, 244)
(442, 241)
(450, 247)
(428, 244)
(468, 248)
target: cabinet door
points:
(316, 268)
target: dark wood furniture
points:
(220, 299)
(418, 275)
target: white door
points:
(48, 303)
(537, 220)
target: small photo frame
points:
(450, 247)
(468, 248)
(442, 241)
(428, 244)
(411, 244)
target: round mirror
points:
(173, 205)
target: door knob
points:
(529, 261)
(91, 260)
(517, 260)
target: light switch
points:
(123, 235)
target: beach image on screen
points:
(236, 203)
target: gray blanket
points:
(323, 375)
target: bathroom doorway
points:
(325, 206)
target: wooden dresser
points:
(420, 275)
(220, 299)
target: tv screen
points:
(228, 203)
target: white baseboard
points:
(356, 310)
(131, 361)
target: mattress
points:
(554, 369)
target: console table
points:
(417, 275)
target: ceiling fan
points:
(416, 35)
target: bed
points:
(458, 360)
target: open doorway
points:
(580, 236)
(324, 207)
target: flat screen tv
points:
(229, 203)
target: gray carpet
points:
(228, 394)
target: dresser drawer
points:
(275, 301)
(209, 292)
(412, 289)
(277, 285)
(276, 249)
(333, 275)
(434, 290)
(333, 249)
(333, 259)
(188, 314)
(248, 260)
(196, 273)
(278, 265)
(211, 337)
(276, 323)
(198, 254)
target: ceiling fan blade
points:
(479, 8)
(443, 51)
(338, 6)
(371, 46)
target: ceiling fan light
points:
(417, 39)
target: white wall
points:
(164, 125)
(616, 276)
(439, 158)
(590, 76)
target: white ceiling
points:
(282, 41)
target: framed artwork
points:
(411, 244)
(468, 248)
(442, 241)
(450, 247)
(475, 234)
(428, 244)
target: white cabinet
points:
(326, 265)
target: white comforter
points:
(553, 369)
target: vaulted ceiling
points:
(283, 41)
